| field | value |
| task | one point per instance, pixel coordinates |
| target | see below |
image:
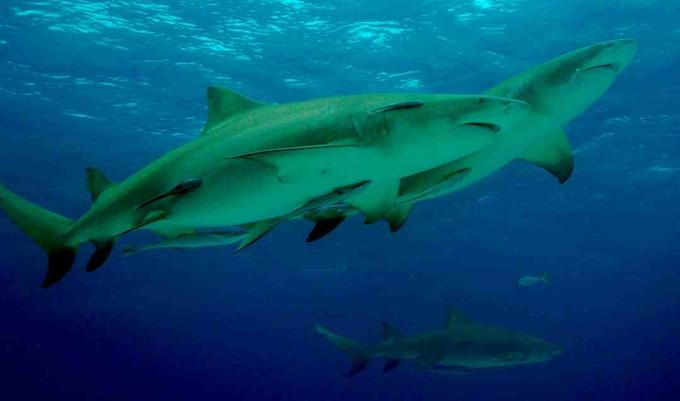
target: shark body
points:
(461, 345)
(256, 165)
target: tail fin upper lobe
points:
(353, 348)
(45, 228)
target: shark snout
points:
(614, 55)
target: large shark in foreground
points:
(460, 346)
(256, 165)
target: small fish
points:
(530, 281)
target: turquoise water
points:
(117, 84)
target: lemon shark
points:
(556, 92)
(255, 165)
(461, 345)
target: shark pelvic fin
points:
(390, 364)
(552, 154)
(376, 201)
(100, 255)
(390, 333)
(454, 316)
(398, 216)
(180, 189)
(224, 103)
(324, 227)
(97, 182)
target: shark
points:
(557, 92)
(255, 165)
(461, 346)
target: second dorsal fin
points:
(97, 182)
(223, 103)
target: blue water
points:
(117, 84)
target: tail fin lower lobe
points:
(45, 228)
(353, 348)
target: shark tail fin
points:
(45, 228)
(545, 277)
(352, 348)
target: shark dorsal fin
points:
(454, 316)
(552, 154)
(390, 333)
(97, 182)
(223, 103)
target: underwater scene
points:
(340, 200)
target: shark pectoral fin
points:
(100, 255)
(180, 189)
(224, 103)
(376, 201)
(97, 182)
(390, 364)
(454, 316)
(553, 154)
(324, 227)
(398, 216)
(255, 232)
(290, 161)
(170, 231)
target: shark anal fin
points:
(59, 262)
(97, 182)
(358, 364)
(398, 216)
(100, 255)
(391, 364)
(224, 103)
(324, 227)
(180, 189)
(376, 201)
(552, 154)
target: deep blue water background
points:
(117, 84)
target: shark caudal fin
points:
(45, 228)
(545, 277)
(352, 348)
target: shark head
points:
(564, 87)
